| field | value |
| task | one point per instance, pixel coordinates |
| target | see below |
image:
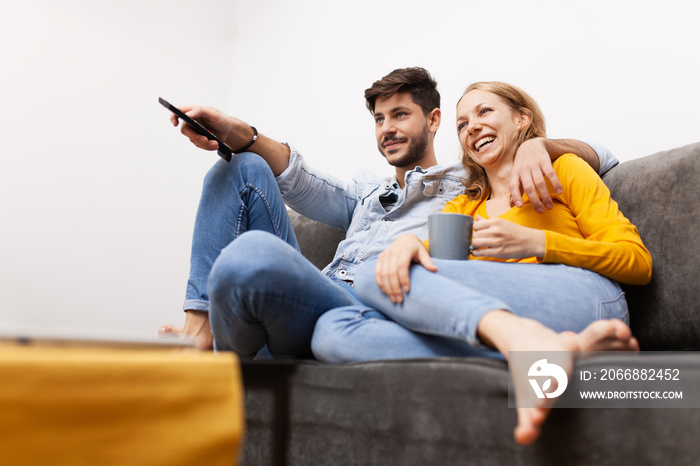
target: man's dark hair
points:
(417, 81)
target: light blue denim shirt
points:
(606, 160)
(356, 205)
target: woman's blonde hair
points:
(477, 184)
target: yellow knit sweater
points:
(584, 229)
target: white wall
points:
(98, 192)
(621, 73)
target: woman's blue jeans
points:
(440, 314)
(246, 269)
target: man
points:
(249, 285)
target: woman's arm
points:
(612, 245)
(592, 234)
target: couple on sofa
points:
(556, 243)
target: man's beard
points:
(415, 152)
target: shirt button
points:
(342, 273)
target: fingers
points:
(481, 238)
(532, 181)
(426, 261)
(395, 275)
(503, 239)
(554, 180)
(196, 113)
(539, 180)
(185, 109)
(516, 198)
(392, 276)
(392, 272)
(197, 139)
(404, 281)
(535, 186)
(530, 187)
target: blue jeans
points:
(440, 315)
(246, 269)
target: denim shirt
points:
(356, 205)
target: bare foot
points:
(607, 335)
(196, 326)
(602, 335)
(508, 332)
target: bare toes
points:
(530, 421)
(607, 335)
(529, 425)
(634, 344)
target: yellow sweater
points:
(585, 228)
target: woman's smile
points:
(483, 142)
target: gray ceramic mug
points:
(450, 235)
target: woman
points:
(573, 303)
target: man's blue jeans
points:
(440, 314)
(246, 269)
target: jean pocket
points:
(615, 309)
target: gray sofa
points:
(455, 411)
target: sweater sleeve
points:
(612, 245)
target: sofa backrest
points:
(660, 194)
(317, 241)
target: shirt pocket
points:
(363, 209)
(434, 196)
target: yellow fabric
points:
(89, 406)
(585, 228)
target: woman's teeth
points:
(481, 143)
